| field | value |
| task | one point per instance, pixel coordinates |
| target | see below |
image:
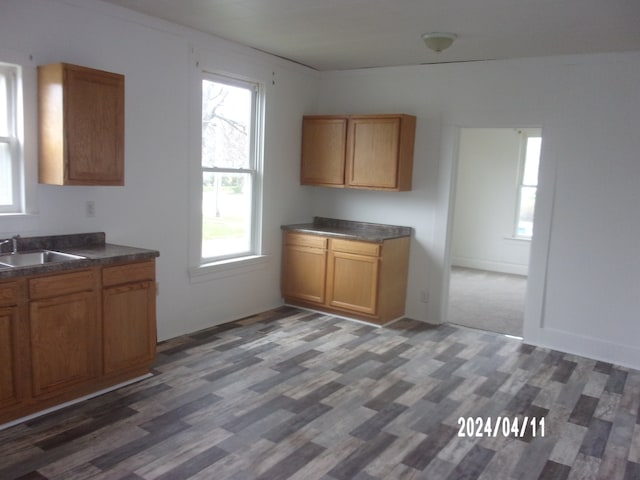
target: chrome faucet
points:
(14, 243)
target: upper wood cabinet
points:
(358, 151)
(81, 134)
(380, 151)
(324, 146)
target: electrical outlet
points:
(90, 208)
(424, 296)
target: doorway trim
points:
(535, 298)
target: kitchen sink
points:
(37, 257)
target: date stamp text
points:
(518, 427)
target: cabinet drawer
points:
(305, 240)
(130, 272)
(10, 293)
(62, 284)
(351, 246)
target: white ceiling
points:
(346, 34)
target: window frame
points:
(12, 75)
(525, 136)
(224, 262)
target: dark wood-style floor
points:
(290, 394)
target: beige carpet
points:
(487, 300)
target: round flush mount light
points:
(438, 41)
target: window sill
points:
(16, 214)
(519, 239)
(227, 268)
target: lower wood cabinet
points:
(69, 334)
(64, 331)
(353, 276)
(14, 384)
(129, 312)
(9, 375)
(305, 263)
(365, 280)
(65, 342)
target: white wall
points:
(486, 188)
(152, 210)
(584, 272)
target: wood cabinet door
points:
(372, 158)
(129, 326)
(304, 273)
(65, 342)
(94, 126)
(353, 282)
(324, 141)
(10, 378)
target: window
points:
(230, 169)
(527, 185)
(10, 152)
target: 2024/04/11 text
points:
(477, 427)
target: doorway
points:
(494, 201)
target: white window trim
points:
(522, 155)
(26, 132)
(203, 270)
(13, 140)
(228, 268)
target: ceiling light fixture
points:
(438, 41)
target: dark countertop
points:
(89, 245)
(364, 231)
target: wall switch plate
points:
(90, 208)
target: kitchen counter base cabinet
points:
(13, 384)
(304, 265)
(353, 273)
(129, 312)
(9, 376)
(64, 331)
(363, 280)
(71, 334)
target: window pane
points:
(532, 161)
(226, 214)
(527, 206)
(226, 125)
(6, 178)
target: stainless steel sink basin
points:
(38, 257)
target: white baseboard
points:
(344, 317)
(596, 349)
(72, 402)
(490, 266)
